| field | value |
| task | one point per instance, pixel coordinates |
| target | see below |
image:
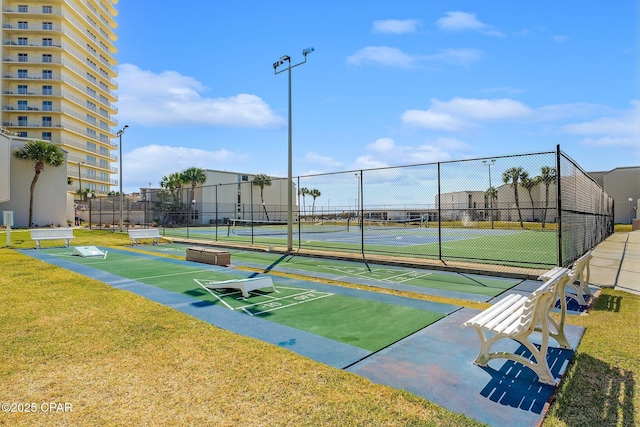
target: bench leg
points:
(540, 366)
(37, 244)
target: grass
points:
(121, 359)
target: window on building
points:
(245, 178)
(47, 74)
(22, 121)
(91, 106)
(23, 74)
(46, 136)
(46, 57)
(23, 8)
(91, 119)
(91, 146)
(47, 9)
(47, 42)
(22, 105)
(47, 106)
(22, 89)
(91, 92)
(23, 25)
(23, 41)
(47, 25)
(46, 121)
(23, 134)
(47, 90)
(23, 57)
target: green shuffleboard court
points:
(327, 311)
(473, 284)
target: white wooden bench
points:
(245, 285)
(579, 278)
(39, 234)
(517, 317)
(144, 233)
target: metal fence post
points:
(439, 217)
(559, 205)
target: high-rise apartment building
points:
(58, 82)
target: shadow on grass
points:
(606, 302)
(597, 394)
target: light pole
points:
(119, 135)
(630, 200)
(489, 163)
(80, 180)
(276, 64)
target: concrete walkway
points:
(616, 262)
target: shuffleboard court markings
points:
(382, 274)
(300, 296)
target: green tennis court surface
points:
(486, 286)
(367, 323)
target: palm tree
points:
(193, 176)
(512, 177)
(492, 195)
(315, 193)
(173, 183)
(304, 191)
(41, 153)
(528, 184)
(262, 180)
(547, 177)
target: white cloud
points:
(385, 152)
(618, 129)
(560, 38)
(392, 57)
(611, 142)
(326, 161)
(456, 56)
(147, 164)
(396, 26)
(381, 55)
(463, 21)
(171, 99)
(459, 114)
(434, 120)
(624, 124)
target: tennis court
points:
(516, 246)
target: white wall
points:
(50, 196)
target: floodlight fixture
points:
(307, 51)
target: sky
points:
(388, 84)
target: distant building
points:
(227, 196)
(621, 184)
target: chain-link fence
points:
(536, 210)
